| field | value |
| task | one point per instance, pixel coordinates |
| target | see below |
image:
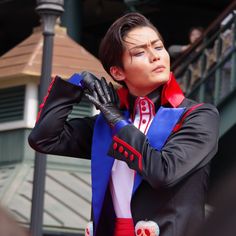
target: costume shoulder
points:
(54, 133)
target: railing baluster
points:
(233, 68)
(202, 73)
(218, 71)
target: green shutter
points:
(12, 103)
(84, 108)
(12, 146)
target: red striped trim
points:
(179, 125)
(131, 149)
(45, 99)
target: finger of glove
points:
(100, 92)
(88, 80)
(95, 95)
(106, 89)
(116, 100)
(93, 100)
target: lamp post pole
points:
(49, 11)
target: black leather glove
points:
(105, 99)
(88, 81)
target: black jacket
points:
(175, 179)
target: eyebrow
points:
(144, 45)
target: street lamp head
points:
(49, 11)
(54, 7)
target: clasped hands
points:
(104, 97)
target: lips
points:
(159, 68)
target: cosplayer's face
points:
(146, 63)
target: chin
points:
(161, 81)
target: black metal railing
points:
(207, 71)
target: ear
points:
(117, 73)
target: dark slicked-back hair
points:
(112, 46)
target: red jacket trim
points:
(133, 152)
(171, 92)
(179, 125)
(45, 99)
(123, 96)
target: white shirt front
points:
(122, 177)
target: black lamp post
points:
(49, 11)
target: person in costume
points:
(150, 149)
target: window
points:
(12, 103)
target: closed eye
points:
(159, 48)
(138, 54)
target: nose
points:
(153, 55)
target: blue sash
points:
(101, 164)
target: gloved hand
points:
(88, 81)
(105, 99)
(85, 80)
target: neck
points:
(142, 92)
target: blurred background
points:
(206, 71)
(87, 20)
